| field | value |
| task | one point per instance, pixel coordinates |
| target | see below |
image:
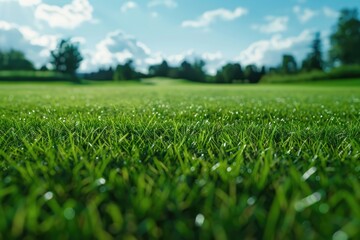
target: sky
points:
(110, 32)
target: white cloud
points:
(165, 3)
(30, 35)
(211, 16)
(328, 12)
(6, 25)
(27, 3)
(209, 56)
(273, 25)
(128, 6)
(36, 46)
(268, 52)
(304, 14)
(214, 60)
(68, 16)
(117, 48)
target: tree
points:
(15, 60)
(193, 72)
(161, 70)
(44, 68)
(314, 60)
(66, 58)
(229, 73)
(252, 74)
(345, 40)
(219, 77)
(125, 72)
(103, 74)
(199, 72)
(263, 71)
(289, 65)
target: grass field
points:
(148, 161)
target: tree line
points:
(344, 50)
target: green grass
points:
(179, 161)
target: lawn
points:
(181, 161)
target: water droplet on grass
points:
(199, 220)
(251, 201)
(216, 166)
(239, 180)
(307, 202)
(100, 181)
(48, 196)
(308, 173)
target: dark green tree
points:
(263, 71)
(252, 74)
(193, 72)
(219, 77)
(161, 70)
(345, 40)
(185, 70)
(125, 72)
(199, 71)
(44, 68)
(103, 74)
(289, 65)
(314, 60)
(229, 73)
(66, 58)
(15, 60)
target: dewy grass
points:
(179, 162)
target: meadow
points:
(175, 160)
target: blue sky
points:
(148, 31)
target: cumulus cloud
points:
(128, 6)
(266, 52)
(212, 16)
(117, 48)
(328, 12)
(304, 14)
(68, 16)
(165, 3)
(35, 45)
(29, 35)
(273, 25)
